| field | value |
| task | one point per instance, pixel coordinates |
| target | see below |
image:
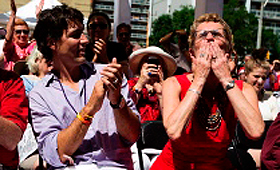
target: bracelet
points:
(195, 91)
(136, 90)
(86, 121)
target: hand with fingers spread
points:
(220, 63)
(112, 79)
(202, 63)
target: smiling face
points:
(70, 49)
(257, 78)
(21, 34)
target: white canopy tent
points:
(27, 12)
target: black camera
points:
(153, 60)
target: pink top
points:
(12, 56)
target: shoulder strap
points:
(184, 82)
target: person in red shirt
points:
(151, 66)
(200, 109)
(13, 117)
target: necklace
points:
(210, 115)
(66, 98)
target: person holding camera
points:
(151, 65)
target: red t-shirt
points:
(147, 105)
(199, 148)
(14, 107)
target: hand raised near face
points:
(201, 62)
(220, 63)
(100, 49)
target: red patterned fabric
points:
(14, 107)
(199, 148)
(147, 105)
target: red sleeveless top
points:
(198, 148)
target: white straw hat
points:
(136, 57)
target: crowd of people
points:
(79, 101)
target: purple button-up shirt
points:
(51, 111)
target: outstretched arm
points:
(8, 43)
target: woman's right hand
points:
(13, 7)
(146, 73)
(201, 63)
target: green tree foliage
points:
(244, 27)
(160, 27)
(271, 42)
(166, 23)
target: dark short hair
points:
(101, 14)
(123, 25)
(51, 24)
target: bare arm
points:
(176, 113)
(39, 8)
(245, 103)
(128, 124)
(165, 41)
(10, 134)
(8, 44)
(71, 138)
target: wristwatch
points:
(120, 103)
(230, 85)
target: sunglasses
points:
(124, 34)
(22, 31)
(215, 33)
(101, 26)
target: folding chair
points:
(153, 135)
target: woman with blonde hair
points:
(201, 109)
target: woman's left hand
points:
(220, 63)
(158, 85)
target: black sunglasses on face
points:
(124, 34)
(22, 31)
(101, 26)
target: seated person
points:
(81, 113)
(13, 118)
(256, 72)
(16, 46)
(151, 66)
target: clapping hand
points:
(112, 79)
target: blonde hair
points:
(31, 60)
(212, 17)
(251, 64)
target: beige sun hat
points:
(136, 57)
